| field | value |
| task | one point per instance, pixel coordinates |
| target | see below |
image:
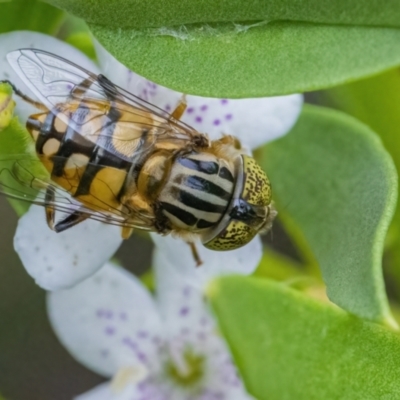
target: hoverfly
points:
(116, 158)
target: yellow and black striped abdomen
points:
(66, 141)
(198, 191)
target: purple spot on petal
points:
(201, 336)
(211, 395)
(203, 321)
(198, 119)
(151, 85)
(110, 330)
(224, 101)
(216, 122)
(107, 314)
(130, 75)
(204, 107)
(228, 117)
(129, 343)
(142, 334)
(141, 356)
(190, 110)
(167, 107)
(184, 311)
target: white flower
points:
(59, 261)
(154, 350)
(254, 121)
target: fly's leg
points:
(71, 220)
(126, 232)
(199, 140)
(50, 215)
(179, 110)
(24, 97)
(195, 254)
(232, 141)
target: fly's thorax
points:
(249, 212)
(198, 191)
(154, 174)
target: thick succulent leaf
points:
(332, 178)
(29, 15)
(289, 346)
(376, 102)
(279, 267)
(83, 42)
(235, 61)
(144, 13)
(14, 139)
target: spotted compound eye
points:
(256, 188)
(249, 211)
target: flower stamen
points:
(128, 375)
(185, 368)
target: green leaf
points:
(376, 102)
(278, 267)
(15, 143)
(332, 178)
(29, 15)
(262, 60)
(7, 105)
(145, 13)
(83, 42)
(288, 346)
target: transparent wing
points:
(56, 81)
(23, 177)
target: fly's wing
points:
(23, 177)
(56, 82)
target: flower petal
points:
(222, 379)
(105, 391)
(254, 121)
(144, 391)
(182, 304)
(215, 263)
(190, 325)
(24, 39)
(100, 392)
(60, 260)
(179, 285)
(108, 322)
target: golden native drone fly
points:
(116, 158)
